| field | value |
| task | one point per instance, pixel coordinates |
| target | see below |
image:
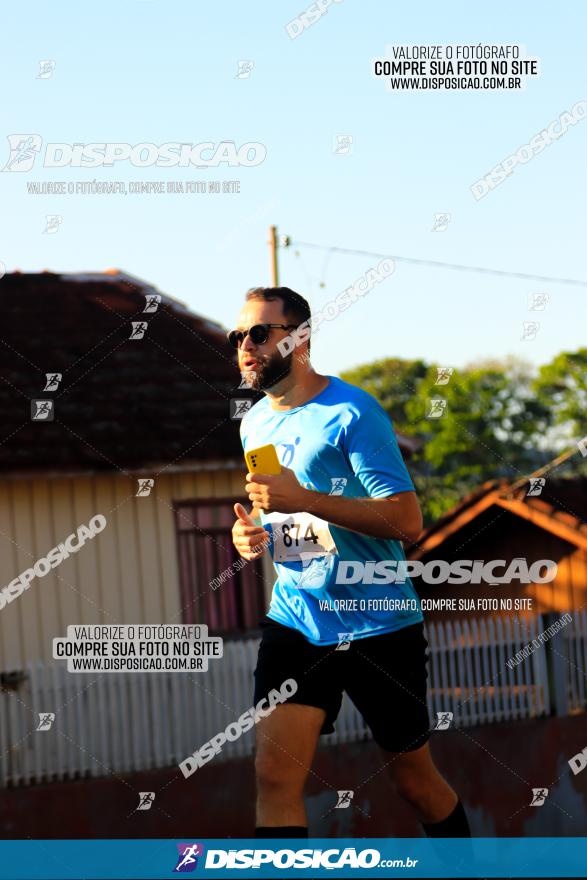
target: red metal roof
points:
(561, 509)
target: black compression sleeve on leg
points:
(455, 825)
(281, 831)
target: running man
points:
(343, 499)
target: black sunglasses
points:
(259, 333)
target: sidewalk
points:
(493, 768)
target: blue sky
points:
(149, 71)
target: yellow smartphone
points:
(263, 460)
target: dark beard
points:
(271, 371)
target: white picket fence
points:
(575, 652)
(126, 722)
(469, 675)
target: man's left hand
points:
(280, 493)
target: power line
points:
(440, 265)
(549, 466)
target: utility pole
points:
(273, 255)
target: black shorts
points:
(384, 676)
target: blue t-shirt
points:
(340, 442)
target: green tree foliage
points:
(392, 381)
(562, 385)
(493, 424)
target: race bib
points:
(299, 536)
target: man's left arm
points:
(396, 516)
(391, 509)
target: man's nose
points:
(247, 344)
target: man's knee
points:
(412, 772)
(415, 775)
(411, 786)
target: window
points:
(205, 552)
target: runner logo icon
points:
(189, 854)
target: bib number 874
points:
(288, 541)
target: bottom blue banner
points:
(313, 857)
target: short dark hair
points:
(295, 307)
